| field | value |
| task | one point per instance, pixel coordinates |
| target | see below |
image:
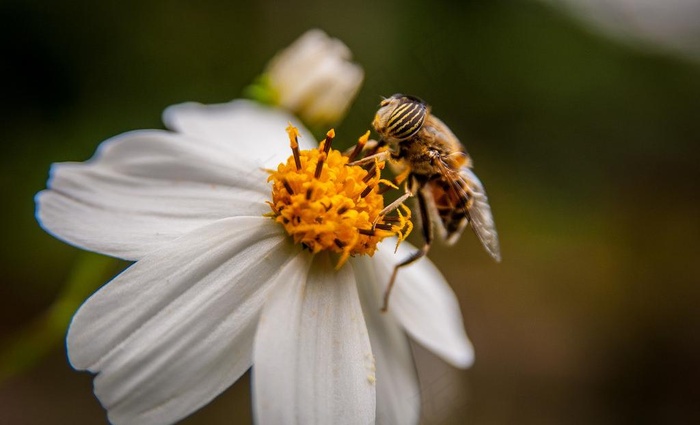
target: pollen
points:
(325, 203)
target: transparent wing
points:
(480, 217)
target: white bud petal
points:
(314, 78)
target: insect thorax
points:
(421, 156)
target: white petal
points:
(145, 188)
(398, 392)
(241, 127)
(424, 304)
(313, 361)
(177, 328)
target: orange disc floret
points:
(326, 204)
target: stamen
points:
(288, 187)
(329, 139)
(323, 149)
(403, 228)
(325, 203)
(391, 219)
(319, 165)
(361, 142)
(293, 134)
(370, 174)
(388, 185)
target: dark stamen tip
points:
(391, 219)
(384, 189)
(370, 174)
(297, 158)
(327, 142)
(366, 192)
(288, 187)
(319, 168)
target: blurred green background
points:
(588, 149)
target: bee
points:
(437, 171)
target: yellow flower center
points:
(326, 204)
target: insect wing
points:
(444, 198)
(480, 217)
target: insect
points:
(437, 171)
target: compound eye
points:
(406, 119)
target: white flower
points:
(314, 78)
(218, 287)
(669, 24)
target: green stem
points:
(25, 348)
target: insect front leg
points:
(381, 156)
(373, 147)
(394, 205)
(427, 229)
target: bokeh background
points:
(587, 144)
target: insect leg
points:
(381, 156)
(427, 237)
(371, 150)
(394, 205)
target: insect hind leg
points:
(410, 260)
(427, 237)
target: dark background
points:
(588, 149)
